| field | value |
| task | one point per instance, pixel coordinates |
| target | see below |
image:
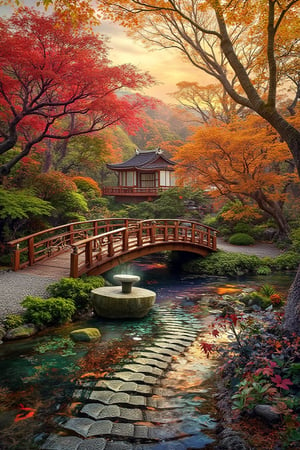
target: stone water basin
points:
(129, 302)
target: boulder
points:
(85, 335)
(21, 332)
(267, 414)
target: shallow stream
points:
(38, 375)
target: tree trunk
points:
(292, 310)
(274, 210)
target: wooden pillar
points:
(88, 253)
(31, 251)
(74, 263)
(16, 258)
(71, 233)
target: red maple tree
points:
(57, 82)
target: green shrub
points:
(286, 261)
(13, 321)
(223, 264)
(295, 236)
(78, 289)
(241, 239)
(263, 270)
(50, 311)
(257, 298)
(242, 227)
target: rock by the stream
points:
(2, 333)
(85, 335)
(267, 414)
(231, 440)
(21, 332)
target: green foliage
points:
(295, 236)
(287, 261)
(16, 204)
(242, 227)
(223, 263)
(13, 321)
(19, 210)
(241, 239)
(47, 312)
(77, 289)
(172, 204)
(267, 290)
(263, 270)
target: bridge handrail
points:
(33, 247)
(143, 232)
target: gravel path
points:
(15, 286)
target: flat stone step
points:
(121, 398)
(167, 345)
(152, 355)
(135, 376)
(143, 368)
(162, 350)
(152, 362)
(123, 386)
(113, 412)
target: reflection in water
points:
(37, 375)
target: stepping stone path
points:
(136, 407)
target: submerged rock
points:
(85, 335)
(21, 332)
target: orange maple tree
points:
(243, 160)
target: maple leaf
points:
(282, 383)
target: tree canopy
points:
(57, 82)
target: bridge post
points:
(140, 235)
(152, 232)
(110, 246)
(71, 232)
(176, 233)
(125, 240)
(30, 251)
(88, 253)
(74, 263)
(16, 258)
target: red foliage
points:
(57, 82)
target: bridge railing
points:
(30, 249)
(90, 252)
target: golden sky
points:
(167, 66)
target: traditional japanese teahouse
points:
(143, 177)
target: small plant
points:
(263, 270)
(241, 239)
(267, 290)
(276, 300)
(47, 312)
(13, 321)
(78, 289)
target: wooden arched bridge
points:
(93, 247)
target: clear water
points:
(37, 375)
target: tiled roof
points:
(153, 159)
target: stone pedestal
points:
(112, 303)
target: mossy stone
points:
(85, 335)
